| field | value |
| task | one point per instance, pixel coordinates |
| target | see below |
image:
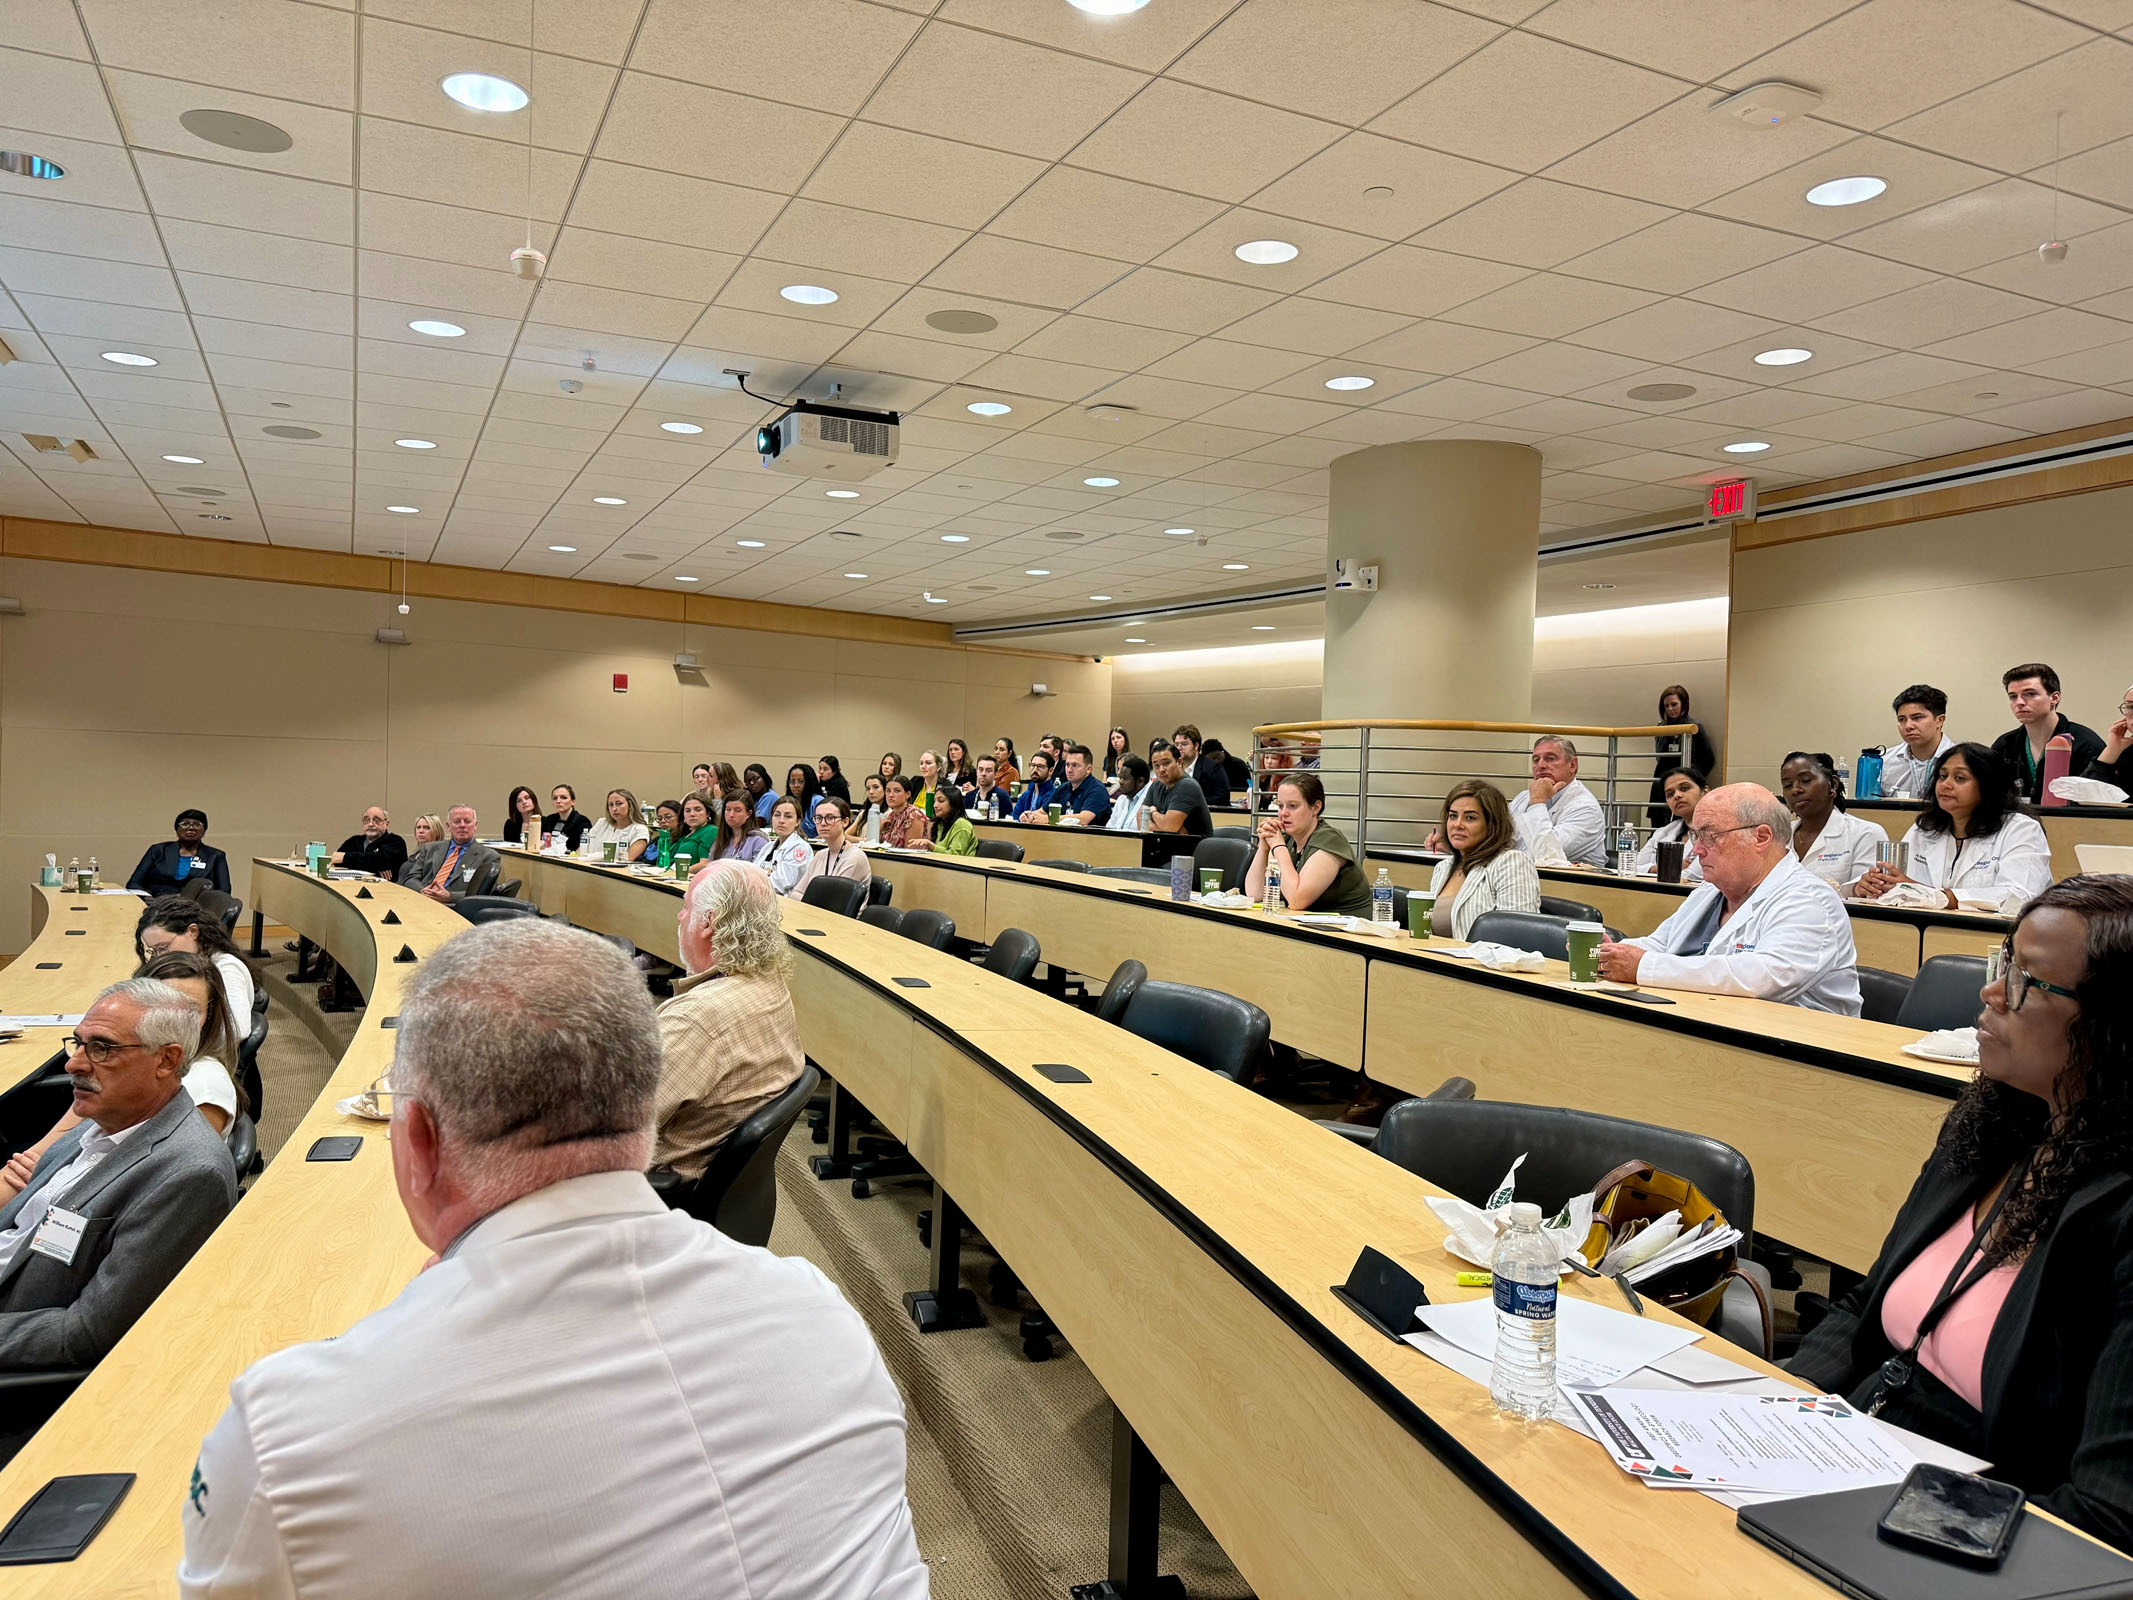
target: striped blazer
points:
(1505, 882)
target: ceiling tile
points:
(432, 232)
(404, 67)
(1155, 298)
(638, 316)
(2098, 270)
(813, 233)
(983, 89)
(1150, 40)
(1068, 207)
(2058, 332)
(1416, 282)
(1008, 269)
(2010, 124)
(443, 286)
(1555, 369)
(1887, 377)
(595, 30)
(458, 169)
(303, 53)
(1981, 226)
(1685, 37)
(1444, 347)
(1015, 322)
(1054, 380)
(100, 175)
(1549, 306)
(1321, 327)
(1230, 365)
(119, 282)
(1096, 343)
(151, 107)
(1940, 309)
(1944, 438)
(1683, 155)
(1915, 178)
(2102, 364)
(2077, 409)
(1347, 59)
(1972, 396)
(916, 175)
(80, 230)
(1682, 253)
(1380, 187)
(672, 207)
(1671, 330)
(235, 197)
(86, 319)
(1814, 283)
(713, 133)
(1831, 351)
(2104, 173)
(1321, 251)
(1539, 223)
(1463, 399)
(1193, 139)
(640, 266)
(779, 51)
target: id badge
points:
(59, 1235)
(466, 874)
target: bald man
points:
(1761, 925)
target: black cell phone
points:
(1640, 997)
(335, 1147)
(62, 1517)
(1954, 1515)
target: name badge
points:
(466, 874)
(59, 1235)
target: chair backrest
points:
(880, 891)
(485, 882)
(1467, 1145)
(1525, 930)
(248, 1078)
(495, 908)
(883, 917)
(929, 927)
(1882, 994)
(241, 1138)
(840, 897)
(1000, 849)
(1156, 875)
(1014, 954)
(1126, 981)
(1064, 865)
(225, 908)
(1250, 835)
(738, 1193)
(1944, 994)
(1553, 905)
(1226, 851)
(1220, 1032)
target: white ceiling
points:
(1565, 223)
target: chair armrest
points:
(43, 1378)
(1452, 1089)
(1353, 1132)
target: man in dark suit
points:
(118, 1206)
(455, 866)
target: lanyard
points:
(1897, 1371)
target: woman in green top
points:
(660, 852)
(700, 831)
(951, 822)
(1318, 866)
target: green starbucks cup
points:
(1584, 940)
(1210, 880)
(1055, 811)
(682, 864)
(1420, 906)
(607, 852)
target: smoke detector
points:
(1768, 105)
(528, 263)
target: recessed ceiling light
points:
(1266, 252)
(855, 574)
(479, 91)
(842, 494)
(1262, 627)
(186, 461)
(1986, 394)
(808, 294)
(749, 544)
(1107, 8)
(1178, 533)
(1236, 566)
(1351, 383)
(1099, 597)
(1845, 191)
(955, 538)
(436, 329)
(416, 444)
(211, 516)
(564, 549)
(1783, 358)
(1747, 447)
(609, 500)
(680, 427)
(21, 164)
(935, 599)
(1101, 483)
(1036, 572)
(405, 511)
(988, 408)
(126, 358)
(1136, 641)
(683, 578)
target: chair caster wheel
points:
(861, 1188)
(1038, 1349)
(819, 1133)
(1005, 1289)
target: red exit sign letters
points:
(1731, 501)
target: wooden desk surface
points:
(78, 945)
(311, 1248)
(1099, 847)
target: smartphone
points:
(334, 1147)
(1954, 1515)
(62, 1517)
(1639, 996)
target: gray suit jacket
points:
(149, 1206)
(423, 864)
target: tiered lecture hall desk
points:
(78, 944)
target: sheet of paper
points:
(134, 893)
(1594, 1346)
(48, 1019)
(1787, 1444)
(1700, 1364)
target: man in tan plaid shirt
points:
(729, 1042)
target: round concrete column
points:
(1453, 527)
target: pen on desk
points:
(1629, 1294)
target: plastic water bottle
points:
(1869, 774)
(74, 872)
(1525, 1269)
(94, 878)
(1272, 898)
(1844, 773)
(1626, 847)
(1381, 899)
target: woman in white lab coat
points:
(1681, 788)
(1970, 843)
(1827, 840)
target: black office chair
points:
(935, 929)
(1882, 994)
(1065, 865)
(999, 850)
(480, 908)
(242, 1138)
(30, 1107)
(1231, 854)
(887, 917)
(487, 884)
(1527, 930)
(1464, 1147)
(224, 908)
(1944, 994)
(1155, 875)
(1218, 1031)
(1125, 982)
(880, 891)
(1249, 834)
(738, 1193)
(1363, 1133)
(249, 1080)
(1569, 910)
(840, 897)
(1014, 955)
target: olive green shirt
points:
(1349, 892)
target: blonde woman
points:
(429, 828)
(1485, 870)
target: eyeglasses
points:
(101, 1052)
(1705, 838)
(2125, 708)
(2001, 966)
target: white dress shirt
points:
(1572, 814)
(1648, 857)
(1903, 775)
(786, 861)
(1790, 941)
(1844, 850)
(1982, 872)
(96, 1147)
(592, 1396)
(1126, 811)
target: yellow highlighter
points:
(1476, 1280)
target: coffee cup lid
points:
(1588, 927)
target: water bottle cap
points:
(1525, 1214)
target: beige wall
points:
(1826, 630)
(126, 695)
(1225, 693)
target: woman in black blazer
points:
(1676, 751)
(168, 867)
(2034, 1167)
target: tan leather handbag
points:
(1637, 1194)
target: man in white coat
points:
(583, 1393)
(1762, 925)
(1556, 803)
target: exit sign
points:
(1731, 501)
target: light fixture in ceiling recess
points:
(1099, 597)
(1036, 572)
(1066, 535)
(638, 555)
(679, 427)
(1351, 383)
(288, 430)
(750, 544)
(126, 358)
(213, 516)
(1266, 252)
(1789, 357)
(1986, 394)
(609, 500)
(682, 577)
(1136, 641)
(1107, 8)
(1101, 483)
(1236, 566)
(1747, 447)
(564, 549)
(416, 444)
(1662, 391)
(187, 461)
(935, 599)
(842, 494)
(1262, 627)
(1179, 533)
(233, 130)
(855, 574)
(808, 294)
(436, 329)
(482, 91)
(955, 538)
(988, 408)
(1846, 191)
(405, 511)
(21, 164)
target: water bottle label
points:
(1536, 1300)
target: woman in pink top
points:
(1999, 1318)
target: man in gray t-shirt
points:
(1175, 802)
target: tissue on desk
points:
(2087, 791)
(1506, 958)
(1474, 1228)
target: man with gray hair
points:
(1556, 814)
(120, 1203)
(1761, 925)
(584, 1393)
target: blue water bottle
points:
(1869, 774)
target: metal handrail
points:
(1283, 728)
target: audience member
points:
(1129, 805)
(618, 827)
(1683, 789)
(522, 819)
(1921, 736)
(1054, 748)
(891, 765)
(1207, 771)
(573, 1398)
(1037, 793)
(429, 828)
(700, 775)
(1319, 870)
(144, 1179)
(874, 809)
(1827, 840)
(2033, 697)
(377, 850)
(172, 923)
(668, 833)
(1004, 763)
(740, 835)
(1080, 794)
(805, 789)
(1556, 810)
(2111, 766)
(755, 779)
(724, 781)
(1674, 708)
(1116, 745)
(1485, 870)
(787, 854)
(1970, 844)
(450, 868)
(1760, 924)
(960, 770)
(700, 827)
(839, 857)
(566, 820)
(929, 781)
(903, 825)
(168, 867)
(952, 831)
(1175, 803)
(2019, 1355)
(1238, 770)
(986, 795)
(830, 772)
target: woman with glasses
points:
(1999, 1318)
(667, 833)
(1970, 845)
(174, 923)
(167, 868)
(2112, 766)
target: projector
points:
(817, 441)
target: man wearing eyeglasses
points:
(117, 1206)
(1761, 925)
(2112, 766)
